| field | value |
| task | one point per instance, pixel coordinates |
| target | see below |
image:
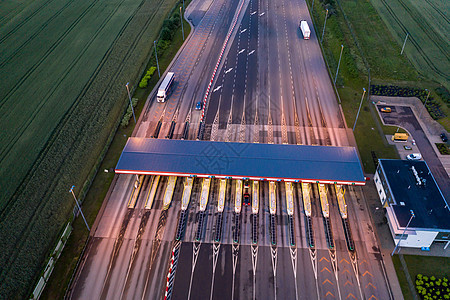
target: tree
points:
(166, 34)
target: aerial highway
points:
(191, 238)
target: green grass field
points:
(64, 66)
(427, 23)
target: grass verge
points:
(401, 278)
(65, 267)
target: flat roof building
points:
(408, 188)
(315, 164)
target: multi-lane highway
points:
(193, 239)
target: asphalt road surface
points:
(271, 86)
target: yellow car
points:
(386, 109)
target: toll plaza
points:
(225, 160)
(233, 164)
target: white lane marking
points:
(293, 252)
(274, 257)
(313, 256)
(251, 52)
(216, 249)
(195, 250)
(251, 14)
(217, 88)
(254, 262)
(229, 70)
(261, 14)
(241, 51)
(235, 253)
(244, 30)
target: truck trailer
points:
(164, 88)
(305, 29)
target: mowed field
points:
(63, 66)
(428, 24)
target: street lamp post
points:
(339, 63)
(425, 104)
(79, 207)
(156, 55)
(181, 19)
(410, 219)
(131, 103)
(357, 115)
(324, 24)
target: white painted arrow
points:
(261, 14)
(241, 51)
(229, 70)
(242, 31)
(251, 52)
(217, 88)
(251, 14)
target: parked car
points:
(414, 156)
(444, 137)
(199, 105)
(386, 109)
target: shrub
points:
(443, 93)
(169, 24)
(166, 34)
(175, 20)
(146, 78)
(127, 116)
(437, 288)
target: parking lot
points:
(404, 117)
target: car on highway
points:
(199, 105)
(386, 109)
(246, 193)
(414, 156)
(443, 137)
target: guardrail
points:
(51, 262)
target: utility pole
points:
(156, 55)
(360, 104)
(181, 19)
(404, 43)
(131, 103)
(324, 24)
(339, 63)
(79, 207)
(425, 104)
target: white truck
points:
(305, 29)
(164, 88)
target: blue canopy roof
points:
(325, 164)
